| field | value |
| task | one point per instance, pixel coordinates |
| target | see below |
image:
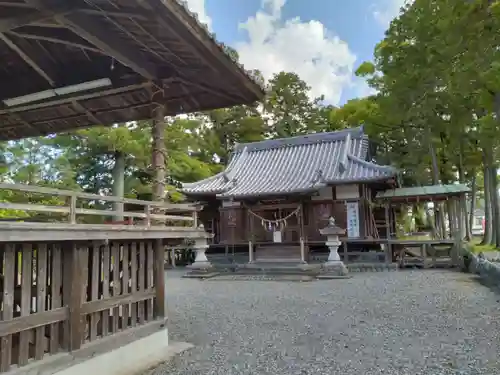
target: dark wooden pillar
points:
(159, 279)
(73, 285)
(159, 149)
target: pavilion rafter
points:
(36, 14)
(44, 75)
(95, 34)
(27, 59)
(75, 41)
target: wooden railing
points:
(66, 286)
(62, 296)
(71, 210)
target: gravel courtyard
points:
(409, 322)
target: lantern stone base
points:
(202, 268)
(334, 269)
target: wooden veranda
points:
(83, 288)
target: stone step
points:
(372, 267)
(269, 268)
(263, 277)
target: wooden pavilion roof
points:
(423, 193)
(141, 46)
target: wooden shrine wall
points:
(236, 226)
(233, 225)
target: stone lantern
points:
(334, 264)
(201, 266)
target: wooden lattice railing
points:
(66, 286)
(58, 296)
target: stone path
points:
(410, 322)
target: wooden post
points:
(450, 207)
(250, 252)
(388, 250)
(159, 279)
(462, 215)
(118, 188)
(172, 255)
(147, 211)
(72, 296)
(303, 236)
(454, 231)
(72, 209)
(461, 228)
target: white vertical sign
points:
(352, 219)
(277, 236)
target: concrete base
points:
(201, 270)
(200, 266)
(335, 268)
(133, 357)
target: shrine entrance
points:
(276, 224)
(283, 221)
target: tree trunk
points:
(495, 208)
(472, 206)
(494, 181)
(461, 178)
(159, 153)
(119, 183)
(490, 170)
(438, 209)
(487, 206)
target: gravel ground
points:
(409, 322)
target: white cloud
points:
(387, 10)
(198, 6)
(307, 48)
(361, 88)
(322, 60)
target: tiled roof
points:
(293, 165)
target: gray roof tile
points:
(292, 165)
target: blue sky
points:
(322, 40)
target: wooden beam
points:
(49, 79)
(93, 31)
(53, 103)
(52, 39)
(7, 24)
(27, 59)
(37, 13)
(81, 108)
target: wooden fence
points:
(62, 295)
